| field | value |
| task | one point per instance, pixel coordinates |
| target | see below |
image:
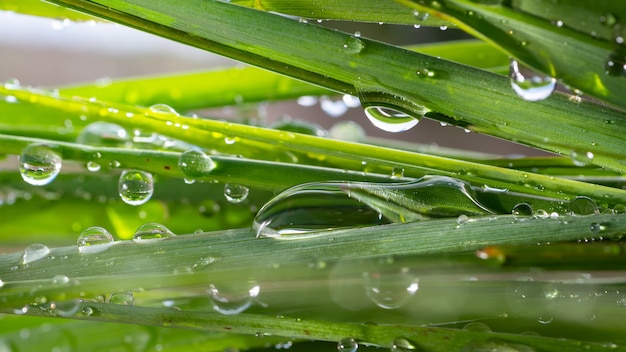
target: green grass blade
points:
(44, 9)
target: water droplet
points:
(397, 172)
(619, 209)
(402, 344)
(235, 193)
(12, 83)
(307, 100)
(233, 299)
(462, 219)
(34, 252)
(608, 19)
(353, 45)
(333, 108)
(65, 308)
(39, 164)
(596, 227)
(162, 109)
(103, 134)
(581, 159)
(123, 298)
(347, 131)
(93, 166)
(477, 326)
(541, 214)
(534, 88)
(523, 209)
(351, 101)
(87, 311)
(135, 187)
(94, 240)
(347, 344)
(389, 119)
(60, 280)
(582, 205)
(426, 73)
(195, 164)
(615, 65)
(390, 290)
(152, 231)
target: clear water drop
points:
(402, 344)
(162, 109)
(582, 205)
(39, 164)
(397, 172)
(34, 252)
(87, 311)
(65, 308)
(347, 131)
(103, 134)
(477, 326)
(152, 231)
(347, 344)
(353, 45)
(389, 119)
(94, 239)
(60, 280)
(390, 290)
(597, 227)
(581, 159)
(12, 83)
(195, 164)
(122, 298)
(522, 209)
(135, 187)
(233, 299)
(93, 166)
(532, 88)
(351, 101)
(333, 108)
(235, 193)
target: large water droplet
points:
(135, 187)
(315, 207)
(103, 134)
(582, 205)
(390, 290)
(233, 299)
(402, 344)
(94, 240)
(347, 344)
(235, 193)
(195, 164)
(34, 252)
(123, 298)
(152, 231)
(39, 164)
(389, 119)
(353, 45)
(532, 88)
(65, 308)
(162, 109)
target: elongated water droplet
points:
(353, 45)
(532, 88)
(233, 299)
(389, 119)
(123, 298)
(477, 326)
(195, 164)
(39, 164)
(103, 134)
(347, 344)
(582, 205)
(94, 239)
(135, 187)
(162, 109)
(152, 231)
(235, 193)
(390, 290)
(34, 252)
(402, 344)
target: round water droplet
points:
(426, 73)
(583, 206)
(397, 172)
(389, 119)
(402, 344)
(39, 164)
(597, 227)
(523, 209)
(462, 219)
(235, 193)
(123, 298)
(477, 326)
(390, 290)
(347, 344)
(195, 164)
(65, 308)
(353, 45)
(93, 166)
(162, 109)
(135, 187)
(581, 159)
(87, 311)
(233, 299)
(34, 252)
(94, 240)
(532, 88)
(152, 231)
(347, 131)
(103, 134)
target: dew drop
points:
(477, 326)
(60, 280)
(397, 172)
(596, 227)
(390, 290)
(615, 65)
(235, 193)
(581, 159)
(12, 83)
(162, 109)
(351, 101)
(94, 240)
(195, 164)
(135, 187)
(462, 219)
(353, 45)
(534, 88)
(65, 308)
(152, 231)
(233, 299)
(347, 344)
(389, 119)
(541, 214)
(122, 298)
(39, 164)
(426, 73)
(402, 344)
(103, 134)
(307, 100)
(522, 209)
(93, 166)
(87, 311)
(34, 252)
(582, 205)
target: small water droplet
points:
(60, 280)
(608, 19)
(582, 205)
(34, 252)
(397, 172)
(389, 119)
(402, 344)
(353, 45)
(122, 298)
(347, 344)
(135, 187)
(532, 88)
(65, 308)
(12, 83)
(390, 290)
(39, 164)
(233, 299)
(93, 166)
(597, 227)
(152, 231)
(615, 65)
(195, 164)
(462, 219)
(94, 240)
(581, 159)
(162, 109)
(426, 73)
(523, 209)
(235, 193)
(103, 134)
(477, 326)
(87, 311)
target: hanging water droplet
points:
(135, 187)
(103, 134)
(347, 131)
(65, 308)
(34, 252)
(233, 299)
(402, 344)
(152, 231)
(162, 109)
(353, 45)
(533, 88)
(87, 311)
(389, 119)
(235, 193)
(333, 108)
(39, 164)
(390, 290)
(347, 344)
(122, 298)
(523, 209)
(195, 164)
(94, 240)
(582, 205)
